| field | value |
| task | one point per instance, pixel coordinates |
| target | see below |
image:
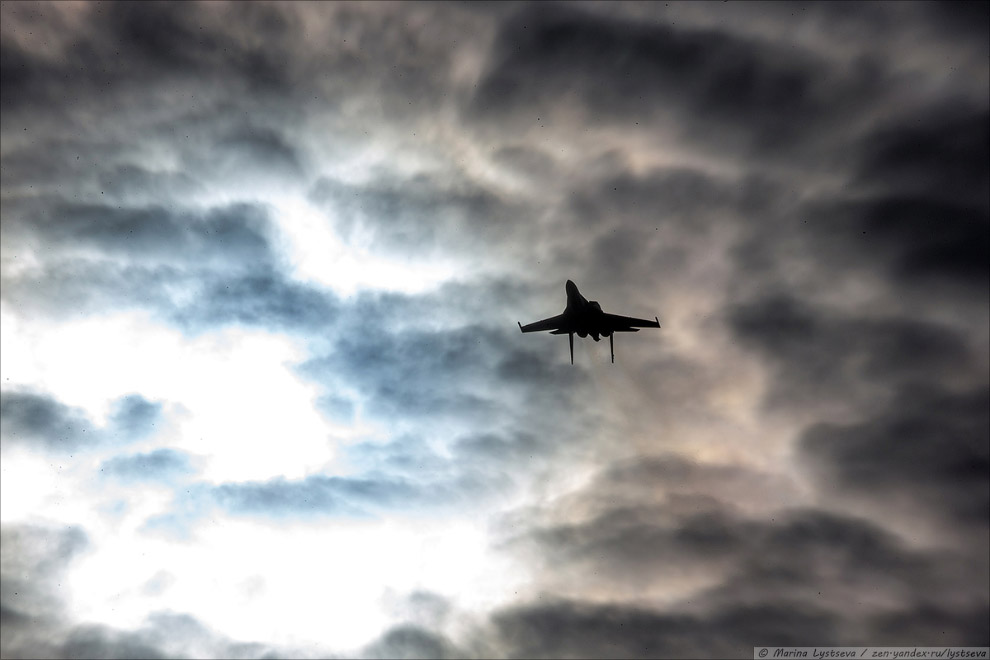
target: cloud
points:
(265, 298)
(407, 476)
(799, 192)
(36, 561)
(784, 575)
(421, 215)
(912, 217)
(394, 370)
(134, 415)
(196, 269)
(35, 419)
(920, 241)
(942, 157)
(408, 642)
(617, 70)
(162, 635)
(316, 495)
(117, 50)
(227, 236)
(822, 354)
(929, 447)
(161, 464)
(587, 630)
(250, 146)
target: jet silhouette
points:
(585, 317)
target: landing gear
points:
(570, 340)
(611, 347)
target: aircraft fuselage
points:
(586, 315)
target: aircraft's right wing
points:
(552, 323)
(617, 323)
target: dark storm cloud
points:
(591, 630)
(833, 561)
(124, 46)
(575, 629)
(655, 515)
(931, 622)
(960, 19)
(161, 464)
(787, 575)
(822, 355)
(930, 447)
(647, 225)
(943, 153)
(213, 65)
(919, 241)
(914, 214)
(164, 39)
(620, 70)
(34, 419)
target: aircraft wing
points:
(616, 323)
(552, 323)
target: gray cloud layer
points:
(802, 189)
(39, 420)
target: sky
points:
(264, 394)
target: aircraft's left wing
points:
(552, 323)
(616, 323)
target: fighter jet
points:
(585, 317)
